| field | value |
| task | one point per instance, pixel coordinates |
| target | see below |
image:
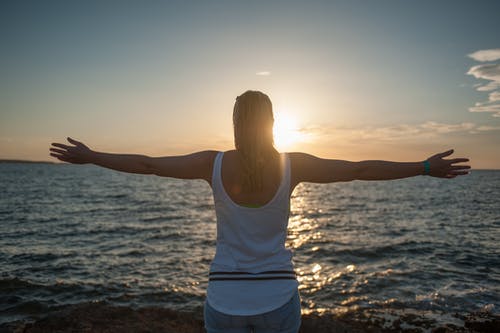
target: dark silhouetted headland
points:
(25, 161)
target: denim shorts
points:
(285, 319)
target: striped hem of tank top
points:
(266, 275)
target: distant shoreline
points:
(49, 162)
(26, 161)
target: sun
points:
(286, 131)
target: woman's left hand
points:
(77, 154)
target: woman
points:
(252, 284)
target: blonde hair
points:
(253, 135)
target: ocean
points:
(71, 234)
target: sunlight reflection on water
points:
(95, 234)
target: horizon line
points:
(56, 162)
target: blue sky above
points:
(161, 77)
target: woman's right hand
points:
(77, 154)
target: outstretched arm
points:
(193, 166)
(309, 168)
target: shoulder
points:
(298, 159)
(208, 156)
(203, 163)
(300, 165)
(229, 152)
(205, 155)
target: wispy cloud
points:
(491, 73)
(263, 73)
(495, 96)
(441, 128)
(488, 128)
(486, 71)
(489, 86)
(426, 130)
(486, 107)
(486, 55)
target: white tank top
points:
(252, 271)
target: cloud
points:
(488, 87)
(486, 72)
(494, 96)
(486, 107)
(426, 130)
(489, 72)
(447, 128)
(263, 73)
(486, 55)
(488, 128)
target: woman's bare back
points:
(232, 179)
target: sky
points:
(355, 80)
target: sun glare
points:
(286, 132)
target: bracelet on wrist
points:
(427, 167)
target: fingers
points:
(459, 167)
(68, 153)
(458, 173)
(58, 153)
(444, 154)
(66, 158)
(452, 171)
(60, 145)
(458, 160)
(76, 143)
(60, 157)
(455, 173)
(70, 140)
(55, 150)
(63, 154)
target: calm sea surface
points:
(71, 234)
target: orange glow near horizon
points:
(286, 131)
